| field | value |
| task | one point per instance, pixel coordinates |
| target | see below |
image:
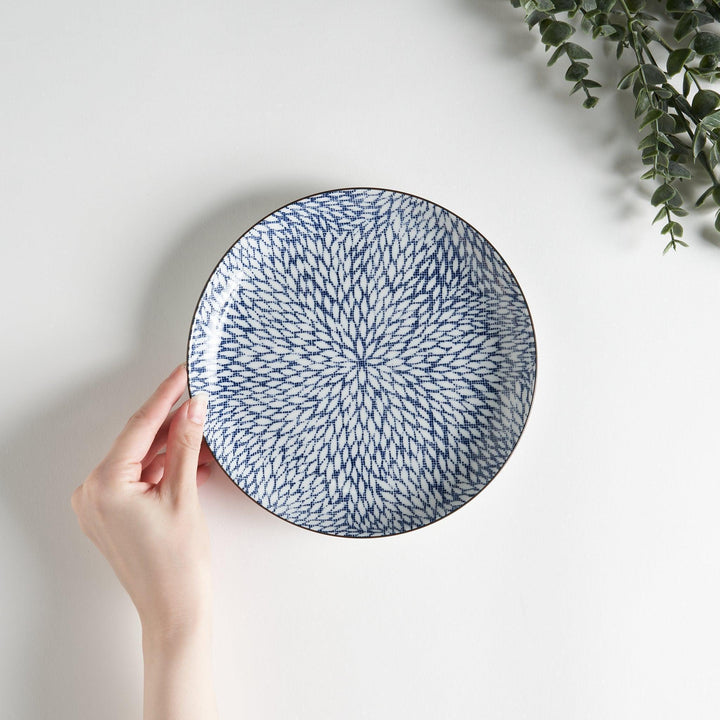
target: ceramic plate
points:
(370, 360)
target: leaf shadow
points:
(76, 649)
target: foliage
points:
(678, 114)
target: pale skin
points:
(140, 506)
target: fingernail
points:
(197, 410)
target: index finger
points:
(137, 436)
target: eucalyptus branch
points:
(667, 194)
(555, 33)
(692, 54)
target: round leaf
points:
(557, 32)
(664, 193)
(705, 43)
(707, 64)
(705, 101)
(577, 71)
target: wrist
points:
(177, 660)
(162, 633)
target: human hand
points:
(140, 506)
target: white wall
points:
(139, 140)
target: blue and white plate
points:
(370, 360)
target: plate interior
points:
(370, 360)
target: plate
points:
(370, 360)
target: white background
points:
(140, 139)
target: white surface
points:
(139, 140)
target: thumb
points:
(185, 437)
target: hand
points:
(140, 506)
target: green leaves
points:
(711, 122)
(653, 75)
(698, 142)
(686, 25)
(680, 128)
(713, 190)
(705, 43)
(676, 170)
(627, 79)
(551, 32)
(573, 51)
(673, 227)
(704, 102)
(556, 32)
(663, 194)
(576, 71)
(642, 103)
(576, 52)
(678, 58)
(679, 5)
(652, 115)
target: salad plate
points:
(370, 361)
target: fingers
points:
(203, 473)
(153, 472)
(160, 442)
(206, 457)
(158, 450)
(183, 448)
(134, 442)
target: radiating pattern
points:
(370, 360)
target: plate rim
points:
(532, 395)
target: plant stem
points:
(634, 42)
(702, 157)
(661, 41)
(638, 55)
